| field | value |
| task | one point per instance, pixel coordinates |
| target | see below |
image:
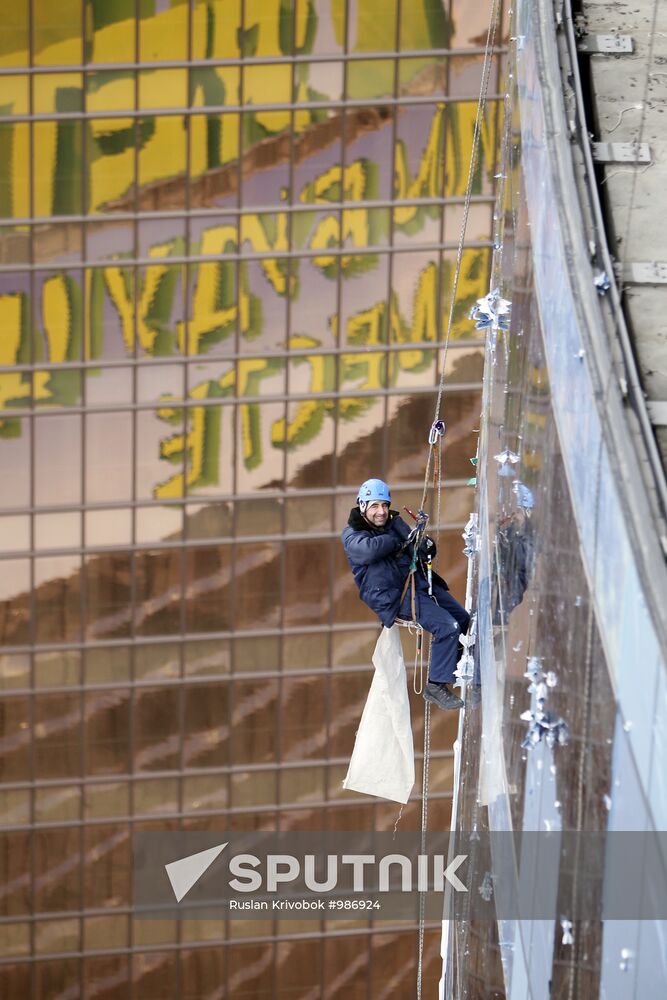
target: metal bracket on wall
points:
(650, 272)
(657, 411)
(605, 44)
(621, 152)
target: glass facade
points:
(227, 245)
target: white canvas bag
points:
(383, 760)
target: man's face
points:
(377, 513)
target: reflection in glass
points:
(257, 591)
(57, 460)
(208, 589)
(163, 34)
(108, 457)
(157, 594)
(254, 717)
(108, 527)
(60, 668)
(206, 727)
(109, 591)
(58, 599)
(155, 729)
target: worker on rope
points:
(380, 549)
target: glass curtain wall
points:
(227, 246)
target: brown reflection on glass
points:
(57, 599)
(208, 588)
(393, 960)
(14, 670)
(15, 602)
(57, 936)
(110, 665)
(347, 606)
(155, 975)
(57, 865)
(15, 860)
(157, 609)
(460, 410)
(108, 931)
(108, 595)
(259, 517)
(307, 582)
(153, 797)
(208, 657)
(107, 730)
(156, 729)
(201, 968)
(345, 967)
(251, 970)
(105, 977)
(298, 968)
(57, 735)
(257, 653)
(53, 241)
(152, 661)
(15, 943)
(212, 520)
(257, 595)
(348, 694)
(354, 648)
(205, 793)
(206, 726)
(253, 788)
(254, 721)
(106, 800)
(15, 758)
(303, 717)
(302, 784)
(58, 977)
(304, 651)
(107, 864)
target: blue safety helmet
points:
(371, 490)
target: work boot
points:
(441, 695)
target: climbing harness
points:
(415, 538)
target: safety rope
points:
(481, 107)
(437, 431)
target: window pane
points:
(156, 729)
(107, 728)
(209, 584)
(108, 595)
(58, 599)
(58, 460)
(158, 585)
(206, 726)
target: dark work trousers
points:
(445, 621)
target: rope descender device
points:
(438, 428)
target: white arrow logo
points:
(186, 871)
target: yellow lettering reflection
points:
(14, 386)
(309, 415)
(154, 301)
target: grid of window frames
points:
(227, 248)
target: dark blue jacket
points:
(380, 565)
